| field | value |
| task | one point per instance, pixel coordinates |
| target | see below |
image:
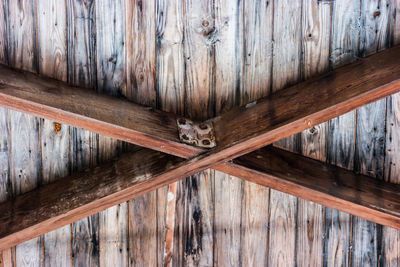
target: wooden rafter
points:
(238, 132)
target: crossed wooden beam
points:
(241, 137)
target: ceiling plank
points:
(328, 185)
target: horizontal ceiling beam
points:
(372, 199)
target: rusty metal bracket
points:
(197, 134)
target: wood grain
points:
(370, 135)
(170, 83)
(255, 83)
(22, 45)
(111, 73)
(54, 144)
(4, 32)
(84, 144)
(316, 23)
(85, 193)
(99, 113)
(286, 70)
(228, 190)
(140, 51)
(337, 188)
(391, 237)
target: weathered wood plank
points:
(140, 51)
(141, 88)
(170, 97)
(390, 236)
(86, 193)
(255, 83)
(228, 190)
(24, 138)
(316, 24)
(344, 48)
(286, 70)
(110, 60)
(332, 186)
(54, 141)
(199, 48)
(4, 32)
(82, 72)
(370, 134)
(22, 45)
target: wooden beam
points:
(238, 131)
(331, 186)
(75, 197)
(84, 108)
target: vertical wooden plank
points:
(141, 72)
(7, 256)
(170, 97)
(390, 236)
(316, 23)
(228, 189)
(140, 57)
(25, 175)
(256, 83)
(22, 35)
(110, 59)
(3, 32)
(82, 72)
(257, 50)
(200, 37)
(24, 129)
(370, 136)
(54, 141)
(110, 46)
(344, 48)
(286, 70)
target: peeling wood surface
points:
(181, 52)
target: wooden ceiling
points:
(238, 132)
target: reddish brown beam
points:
(238, 132)
(85, 193)
(331, 186)
(84, 108)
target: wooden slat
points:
(331, 186)
(84, 108)
(85, 193)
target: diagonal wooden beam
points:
(331, 186)
(84, 108)
(238, 132)
(85, 193)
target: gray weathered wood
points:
(54, 142)
(82, 72)
(228, 189)
(111, 73)
(391, 237)
(24, 138)
(255, 83)
(285, 71)
(344, 48)
(316, 24)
